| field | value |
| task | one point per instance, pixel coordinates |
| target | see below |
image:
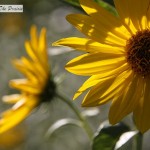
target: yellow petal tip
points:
(55, 43)
(85, 104)
(59, 42)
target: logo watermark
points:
(11, 8)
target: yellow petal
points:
(30, 51)
(92, 81)
(25, 86)
(14, 117)
(12, 99)
(42, 49)
(118, 81)
(34, 37)
(142, 13)
(95, 30)
(95, 79)
(105, 18)
(92, 64)
(92, 98)
(43, 44)
(126, 101)
(122, 8)
(144, 23)
(24, 70)
(36, 55)
(37, 47)
(105, 91)
(132, 16)
(148, 17)
(141, 112)
(88, 45)
(30, 70)
(35, 68)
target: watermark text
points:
(11, 8)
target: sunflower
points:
(117, 58)
(36, 87)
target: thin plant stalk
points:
(139, 141)
(83, 120)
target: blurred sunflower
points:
(36, 87)
(117, 58)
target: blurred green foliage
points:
(108, 5)
(108, 135)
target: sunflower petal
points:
(36, 55)
(92, 81)
(13, 117)
(92, 98)
(105, 91)
(34, 37)
(12, 99)
(95, 79)
(30, 70)
(127, 101)
(88, 45)
(25, 86)
(43, 44)
(148, 15)
(105, 18)
(94, 30)
(42, 49)
(141, 112)
(30, 51)
(118, 81)
(132, 16)
(35, 68)
(92, 64)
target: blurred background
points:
(14, 30)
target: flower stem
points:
(83, 120)
(139, 141)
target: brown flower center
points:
(49, 91)
(138, 52)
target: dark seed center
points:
(138, 52)
(48, 92)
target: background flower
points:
(37, 76)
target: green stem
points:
(83, 120)
(139, 141)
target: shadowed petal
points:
(94, 30)
(132, 16)
(141, 112)
(105, 91)
(105, 18)
(125, 103)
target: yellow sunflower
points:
(37, 85)
(117, 58)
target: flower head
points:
(36, 87)
(117, 58)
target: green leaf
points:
(61, 123)
(107, 136)
(73, 2)
(107, 6)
